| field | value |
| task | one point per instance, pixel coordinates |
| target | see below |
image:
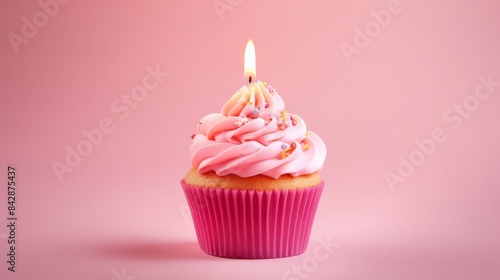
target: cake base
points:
(259, 182)
(252, 224)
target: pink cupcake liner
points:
(253, 224)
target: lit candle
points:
(250, 62)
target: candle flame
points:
(250, 61)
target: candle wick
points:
(250, 79)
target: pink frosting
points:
(254, 135)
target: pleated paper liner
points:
(253, 224)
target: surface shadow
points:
(136, 250)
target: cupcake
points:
(254, 185)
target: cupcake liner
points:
(253, 224)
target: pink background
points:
(122, 207)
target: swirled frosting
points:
(254, 135)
